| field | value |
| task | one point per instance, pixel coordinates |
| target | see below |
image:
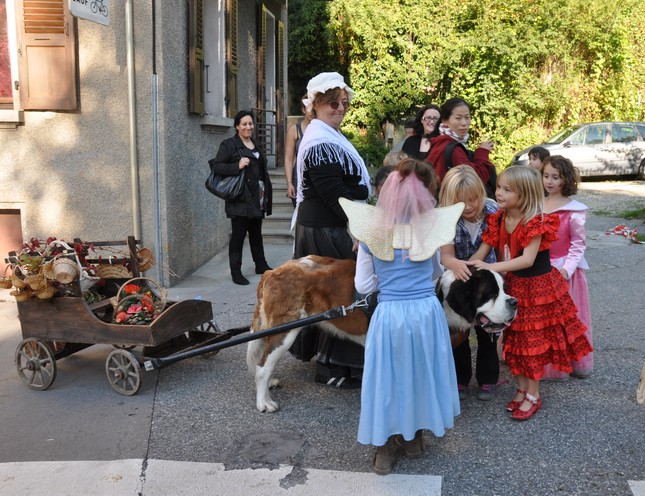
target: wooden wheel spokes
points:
(35, 363)
(123, 372)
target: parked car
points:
(598, 148)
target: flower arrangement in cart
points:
(140, 305)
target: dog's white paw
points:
(640, 391)
(274, 383)
(268, 406)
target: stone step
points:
(277, 227)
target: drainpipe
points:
(161, 276)
(134, 165)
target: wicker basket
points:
(65, 270)
(21, 294)
(156, 302)
(18, 278)
(159, 292)
(46, 293)
(145, 258)
(36, 281)
(109, 271)
(5, 280)
(48, 270)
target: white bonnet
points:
(323, 82)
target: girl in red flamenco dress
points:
(546, 329)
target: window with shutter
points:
(232, 61)
(46, 55)
(280, 61)
(6, 94)
(196, 55)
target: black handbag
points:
(226, 187)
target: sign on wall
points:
(92, 10)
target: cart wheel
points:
(35, 363)
(123, 372)
(126, 347)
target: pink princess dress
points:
(568, 252)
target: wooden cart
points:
(56, 328)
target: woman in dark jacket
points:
(455, 123)
(234, 155)
(426, 125)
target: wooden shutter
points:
(280, 55)
(46, 55)
(232, 61)
(262, 63)
(196, 57)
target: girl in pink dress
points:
(560, 180)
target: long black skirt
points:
(329, 350)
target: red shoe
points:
(511, 406)
(525, 415)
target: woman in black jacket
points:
(234, 155)
(426, 126)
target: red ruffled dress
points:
(546, 329)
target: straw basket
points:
(144, 282)
(5, 280)
(143, 297)
(145, 258)
(65, 270)
(46, 293)
(109, 271)
(36, 281)
(21, 294)
(48, 270)
(18, 278)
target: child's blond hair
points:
(527, 183)
(394, 157)
(461, 181)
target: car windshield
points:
(562, 135)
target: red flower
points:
(121, 317)
(132, 288)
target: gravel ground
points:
(612, 197)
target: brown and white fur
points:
(479, 301)
(313, 284)
(295, 290)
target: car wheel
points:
(641, 171)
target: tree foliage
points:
(529, 68)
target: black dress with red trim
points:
(546, 328)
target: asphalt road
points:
(193, 427)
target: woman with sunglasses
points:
(425, 127)
(329, 167)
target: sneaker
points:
(486, 392)
(341, 382)
(462, 391)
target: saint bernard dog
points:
(480, 301)
(311, 285)
(295, 290)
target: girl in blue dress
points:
(409, 380)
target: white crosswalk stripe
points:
(161, 477)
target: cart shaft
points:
(159, 363)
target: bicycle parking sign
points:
(92, 10)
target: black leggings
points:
(240, 226)
(487, 364)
